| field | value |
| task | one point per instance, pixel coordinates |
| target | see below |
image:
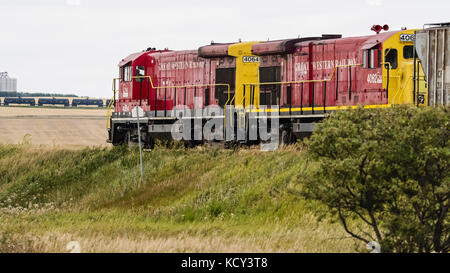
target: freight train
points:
(74, 102)
(249, 92)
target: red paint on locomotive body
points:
(341, 62)
(133, 92)
(182, 78)
(167, 69)
(306, 78)
(338, 60)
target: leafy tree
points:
(389, 169)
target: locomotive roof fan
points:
(378, 28)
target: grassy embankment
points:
(198, 200)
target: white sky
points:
(74, 46)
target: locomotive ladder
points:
(252, 107)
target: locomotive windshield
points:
(126, 73)
(408, 52)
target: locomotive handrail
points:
(181, 86)
(305, 81)
(231, 101)
(111, 103)
(186, 86)
(290, 82)
(409, 78)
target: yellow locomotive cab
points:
(403, 75)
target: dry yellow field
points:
(53, 126)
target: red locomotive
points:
(294, 82)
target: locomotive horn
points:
(385, 27)
(376, 28)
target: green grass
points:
(193, 200)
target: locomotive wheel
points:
(150, 142)
(285, 138)
(130, 143)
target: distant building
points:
(7, 84)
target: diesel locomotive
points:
(246, 86)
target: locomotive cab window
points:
(408, 52)
(391, 57)
(140, 72)
(127, 73)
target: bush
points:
(389, 169)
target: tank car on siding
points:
(87, 102)
(19, 100)
(53, 102)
